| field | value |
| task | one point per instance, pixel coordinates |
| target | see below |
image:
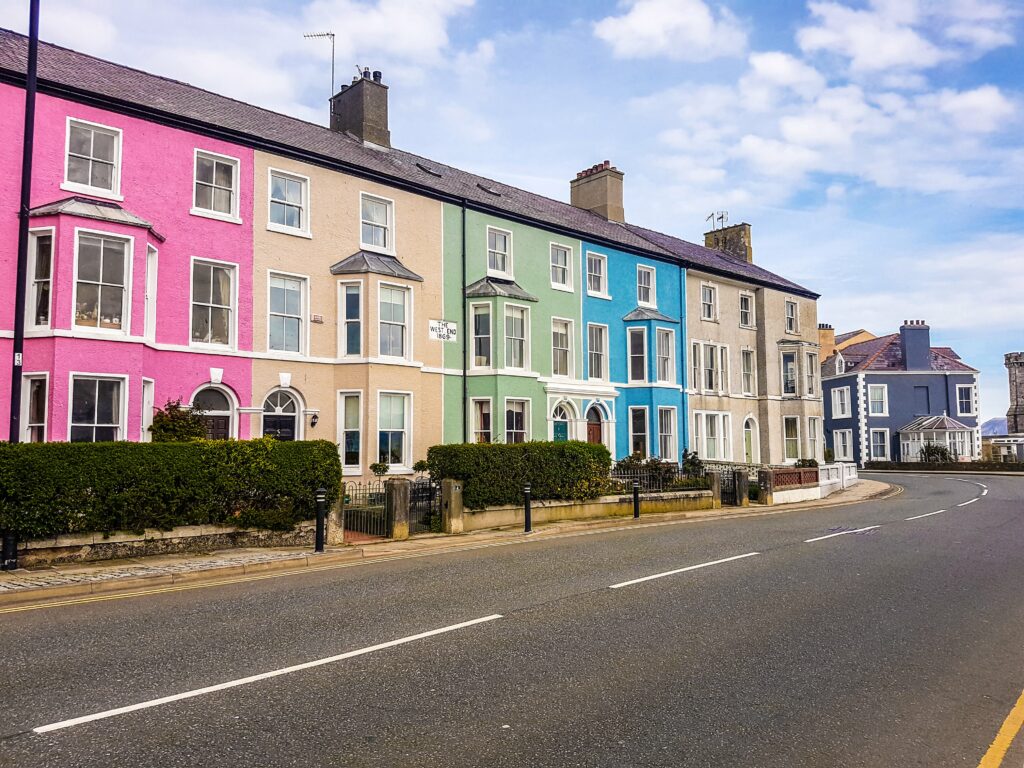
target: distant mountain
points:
(993, 427)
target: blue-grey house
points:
(887, 397)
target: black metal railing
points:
(366, 509)
(424, 506)
(668, 477)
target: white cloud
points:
(981, 110)
(686, 30)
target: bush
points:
(935, 453)
(49, 489)
(494, 473)
(806, 464)
(753, 491)
(175, 424)
(830, 456)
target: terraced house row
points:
(315, 282)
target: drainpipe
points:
(9, 553)
(465, 333)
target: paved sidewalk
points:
(82, 579)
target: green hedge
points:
(953, 466)
(494, 473)
(47, 489)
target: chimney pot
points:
(361, 109)
(377, 76)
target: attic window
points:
(488, 190)
(426, 169)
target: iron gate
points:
(728, 487)
(424, 506)
(366, 510)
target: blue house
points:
(634, 336)
(888, 397)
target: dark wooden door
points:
(594, 432)
(217, 427)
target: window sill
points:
(562, 288)
(82, 189)
(645, 305)
(271, 227)
(94, 330)
(709, 320)
(351, 471)
(378, 249)
(594, 295)
(500, 275)
(214, 347)
(203, 213)
(748, 327)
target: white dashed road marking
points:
(926, 514)
(682, 570)
(841, 533)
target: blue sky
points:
(874, 145)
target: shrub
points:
(175, 424)
(692, 464)
(753, 491)
(494, 473)
(935, 453)
(806, 463)
(49, 489)
(380, 468)
(830, 456)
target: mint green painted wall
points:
(531, 253)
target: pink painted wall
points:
(156, 182)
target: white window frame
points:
(671, 334)
(567, 286)
(814, 437)
(752, 320)
(696, 366)
(724, 365)
(602, 353)
(715, 368)
(343, 350)
(527, 408)
(233, 324)
(303, 311)
(474, 421)
(150, 296)
(234, 217)
(505, 337)
(785, 440)
(509, 272)
(885, 399)
(26, 404)
(652, 302)
(796, 373)
(629, 355)
(570, 357)
(673, 435)
(722, 422)
(407, 324)
(390, 230)
(750, 391)
(714, 302)
(343, 394)
(126, 307)
(405, 465)
(647, 430)
(795, 317)
(603, 292)
(300, 410)
(847, 454)
(871, 445)
(488, 307)
(811, 373)
(973, 410)
(122, 416)
(31, 285)
(306, 229)
(841, 397)
(73, 186)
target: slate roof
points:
(933, 423)
(646, 313)
(840, 338)
(717, 261)
(88, 208)
(487, 287)
(80, 77)
(378, 263)
(885, 353)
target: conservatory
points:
(930, 437)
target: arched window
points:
(595, 426)
(751, 447)
(560, 424)
(280, 416)
(217, 412)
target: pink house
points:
(140, 272)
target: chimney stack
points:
(734, 241)
(826, 340)
(1015, 415)
(916, 345)
(599, 189)
(361, 109)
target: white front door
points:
(147, 410)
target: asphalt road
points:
(899, 645)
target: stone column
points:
(742, 487)
(765, 480)
(451, 506)
(396, 502)
(715, 480)
(335, 520)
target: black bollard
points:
(636, 499)
(321, 518)
(526, 507)
(9, 556)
